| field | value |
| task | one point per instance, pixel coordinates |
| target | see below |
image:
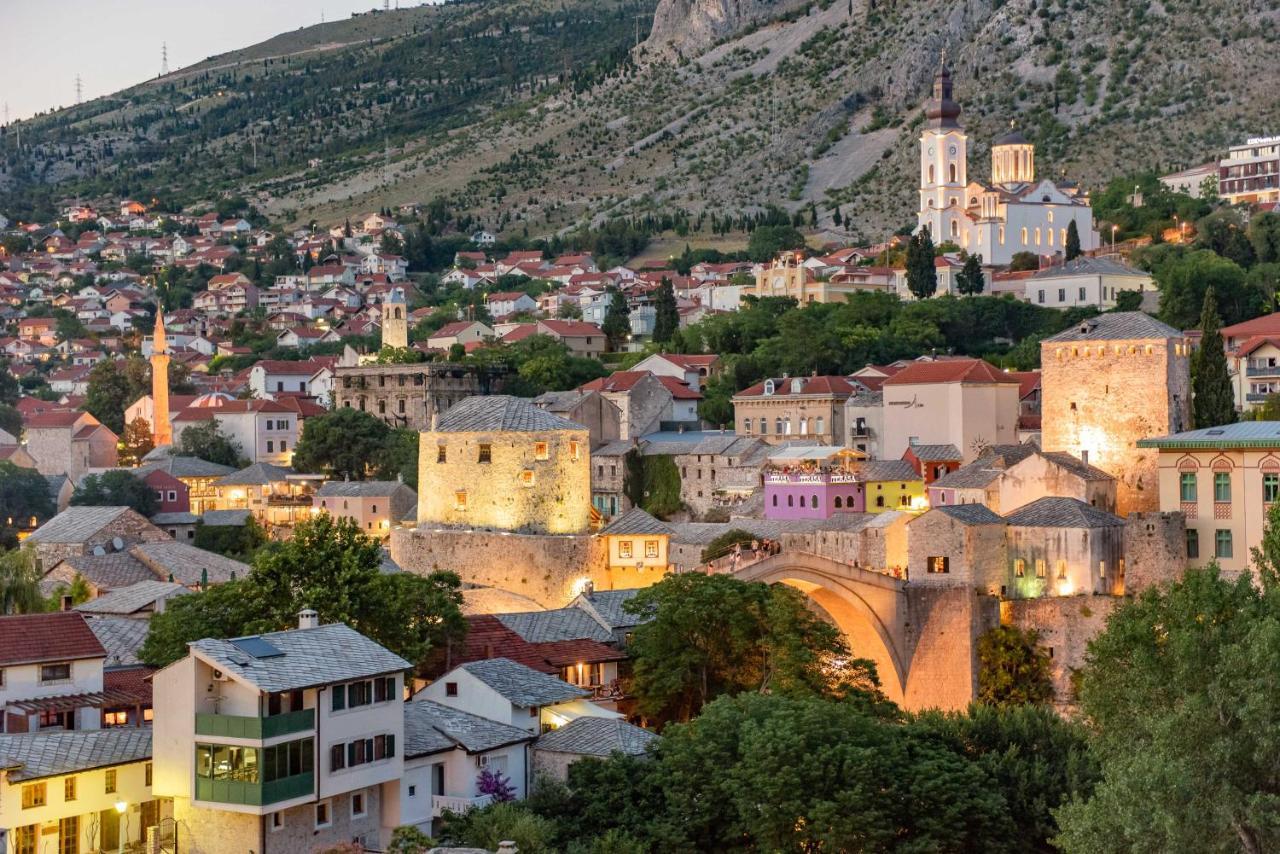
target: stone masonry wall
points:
(129, 526)
(1155, 549)
(944, 624)
(1065, 624)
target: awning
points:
(71, 702)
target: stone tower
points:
(162, 430)
(1106, 383)
(944, 160)
(395, 320)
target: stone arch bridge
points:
(922, 638)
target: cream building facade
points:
(967, 403)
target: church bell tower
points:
(944, 160)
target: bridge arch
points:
(870, 608)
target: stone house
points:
(600, 738)
(720, 472)
(374, 505)
(70, 442)
(582, 339)
(955, 546)
(809, 409)
(501, 462)
(1012, 476)
(642, 399)
(81, 530)
(599, 415)
(409, 395)
(1062, 546)
(608, 477)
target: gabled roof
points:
(936, 453)
(1116, 326)
(258, 474)
(132, 599)
(590, 736)
(77, 524)
(431, 727)
(180, 467)
(188, 564)
(970, 514)
(308, 657)
(110, 571)
(607, 605)
(826, 386)
(32, 756)
(883, 470)
(636, 521)
(561, 624)
(360, 488)
(520, 685)
(122, 637)
(1056, 512)
(501, 412)
(949, 371)
(986, 468)
(56, 636)
(1087, 265)
(1268, 324)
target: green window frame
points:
(1187, 487)
(1270, 488)
(1222, 487)
(1222, 547)
(1193, 544)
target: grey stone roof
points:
(1086, 265)
(257, 474)
(111, 571)
(982, 471)
(1013, 137)
(1117, 326)
(121, 638)
(617, 449)
(359, 488)
(430, 727)
(607, 606)
(76, 524)
(936, 453)
(597, 737)
(31, 756)
(970, 514)
(559, 401)
(233, 518)
(561, 624)
(188, 564)
(310, 657)
(520, 685)
(1076, 466)
(500, 412)
(132, 599)
(636, 521)
(1055, 512)
(175, 519)
(181, 467)
(887, 470)
(491, 600)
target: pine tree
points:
(922, 277)
(617, 319)
(1213, 402)
(970, 280)
(1073, 241)
(836, 219)
(667, 319)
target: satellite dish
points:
(99, 551)
(117, 544)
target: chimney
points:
(308, 619)
(1084, 457)
(589, 589)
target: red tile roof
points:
(687, 361)
(1257, 341)
(679, 390)
(56, 418)
(1028, 381)
(520, 332)
(950, 371)
(131, 682)
(838, 386)
(452, 329)
(59, 636)
(571, 328)
(487, 638)
(1268, 324)
(617, 381)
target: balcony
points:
(440, 804)
(234, 726)
(810, 478)
(1262, 371)
(289, 500)
(1258, 397)
(254, 794)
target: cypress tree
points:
(1073, 241)
(1213, 402)
(617, 318)
(970, 280)
(922, 277)
(667, 318)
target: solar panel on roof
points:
(257, 647)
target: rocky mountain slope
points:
(532, 116)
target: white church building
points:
(1013, 213)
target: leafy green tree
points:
(667, 318)
(400, 458)
(1013, 670)
(971, 281)
(1128, 301)
(238, 542)
(922, 276)
(501, 822)
(767, 241)
(408, 839)
(9, 387)
(10, 420)
(400, 356)
(1224, 232)
(109, 391)
(712, 635)
(116, 489)
(24, 495)
(136, 442)
(1023, 261)
(1073, 241)
(1213, 402)
(207, 441)
(346, 442)
(1264, 235)
(222, 611)
(617, 319)
(1184, 278)
(1178, 691)
(723, 544)
(20, 582)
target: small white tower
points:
(395, 320)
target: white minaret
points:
(944, 159)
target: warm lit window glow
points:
(460, 501)
(541, 451)
(526, 478)
(624, 548)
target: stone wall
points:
(1155, 549)
(206, 831)
(128, 526)
(423, 389)
(1065, 626)
(548, 569)
(943, 626)
(973, 552)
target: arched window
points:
(1050, 236)
(786, 427)
(768, 387)
(746, 425)
(1002, 235)
(930, 173)
(804, 426)
(1063, 232)
(955, 228)
(952, 173)
(791, 501)
(973, 200)
(1037, 237)
(764, 426)
(397, 312)
(837, 502)
(818, 428)
(1024, 235)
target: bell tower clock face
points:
(931, 150)
(953, 151)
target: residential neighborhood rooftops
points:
(33, 756)
(521, 685)
(607, 605)
(57, 636)
(109, 571)
(936, 453)
(591, 736)
(949, 371)
(188, 564)
(76, 524)
(501, 412)
(121, 637)
(188, 467)
(359, 488)
(306, 658)
(132, 599)
(258, 474)
(431, 727)
(1087, 265)
(561, 624)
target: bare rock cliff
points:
(689, 27)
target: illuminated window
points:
(111, 781)
(1019, 568)
(441, 454)
(624, 549)
(650, 548)
(1187, 486)
(1222, 543)
(1040, 568)
(460, 501)
(486, 453)
(574, 451)
(1024, 235)
(1102, 569)
(69, 789)
(939, 565)
(1222, 486)
(1062, 569)
(526, 478)
(34, 795)
(541, 451)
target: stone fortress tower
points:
(395, 320)
(1106, 383)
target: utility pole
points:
(164, 58)
(79, 90)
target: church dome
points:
(212, 400)
(1013, 137)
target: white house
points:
(283, 742)
(503, 303)
(270, 377)
(1085, 281)
(52, 666)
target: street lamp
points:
(1113, 238)
(121, 806)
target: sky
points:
(113, 44)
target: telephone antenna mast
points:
(79, 90)
(164, 58)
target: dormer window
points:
(797, 385)
(769, 387)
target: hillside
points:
(532, 116)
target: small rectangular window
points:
(1040, 568)
(541, 451)
(323, 818)
(939, 565)
(486, 453)
(357, 805)
(69, 789)
(111, 781)
(277, 820)
(1222, 546)
(1222, 487)
(337, 757)
(339, 698)
(574, 451)
(459, 501)
(1270, 487)
(441, 455)
(650, 548)
(60, 672)
(1187, 487)
(451, 689)
(1193, 544)
(1019, 568)
(34, 795)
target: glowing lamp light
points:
(1065, 587)
(121, 806)
(579, 585)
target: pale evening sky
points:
(113, 44)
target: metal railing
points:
(440, 804)
(237, 726)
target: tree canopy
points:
(24, 494)
(116, 489)
(343, 443)
(1013, 670)
(1213, 400)
(922, 275)
(207, 441)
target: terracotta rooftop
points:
(952, 371)
(58, 636)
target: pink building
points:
(813, 483)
